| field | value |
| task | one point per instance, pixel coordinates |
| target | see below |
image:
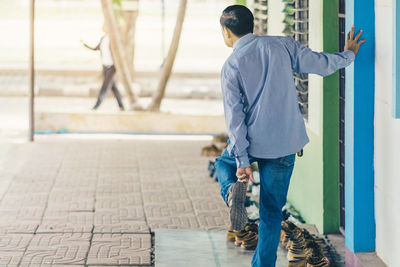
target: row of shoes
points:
(304, 249)
(212, 172)
(217, 146)
(246, 238)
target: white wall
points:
(275, 17)
(387, 143)
(315, 82)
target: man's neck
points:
(235, 39)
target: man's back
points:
(269, 96)
(261, 68)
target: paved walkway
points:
(95, 201)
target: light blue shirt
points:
(261, 110)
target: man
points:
(108, 71)
(263, 118)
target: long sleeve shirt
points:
(262, 115)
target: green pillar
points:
(331, 122)
(241, 2)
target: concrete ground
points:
(94, 200)
(181, 248)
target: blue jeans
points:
(274, 179)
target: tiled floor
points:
(95, 201)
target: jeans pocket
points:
(288, 161)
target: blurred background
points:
(68, 75)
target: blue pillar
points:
(359, 132)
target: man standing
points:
(108, 71)
(263, 118)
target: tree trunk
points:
(169, 61)
(128, 34)
(118, 52)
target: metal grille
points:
(342, 39)
(296, 26)
(260, 17)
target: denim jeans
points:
(274, 180)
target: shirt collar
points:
(243, 40)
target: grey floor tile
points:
(179, 248)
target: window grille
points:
(260, 17)
(296, 26)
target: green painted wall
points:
(331, 121)
(314, 189)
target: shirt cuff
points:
(242, 162)
(350, 55)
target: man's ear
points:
(228, 32)
(223, 28)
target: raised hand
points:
(353, 43)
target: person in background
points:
(263, 119)
(108, 71)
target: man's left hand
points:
(353, 43)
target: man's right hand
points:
(244, 175)
(352, 43)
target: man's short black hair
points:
(238, 19)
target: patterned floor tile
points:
(23, 227)
(174, 222)
(67, 196)
(74, 217)
(204, 192)
(14, 242)
(56, 221)
(164, 196)
(22, 213)
(153, 186)
(17, 200)
(118, 201)
(118, 177)
(86, 204)
(123, 227)
(118, 188)
(10, 258)
(202, 205)
(167, 209)
(60, 249)
(117, 249)
(59, 227)
(112, 216)
(17, 188)
(214, 220)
